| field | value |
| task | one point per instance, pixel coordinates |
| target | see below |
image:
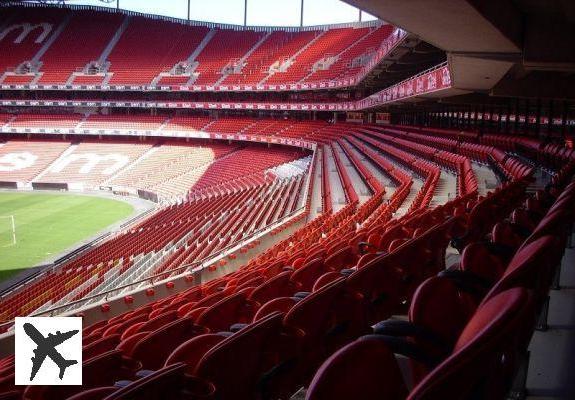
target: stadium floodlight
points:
(11, 230)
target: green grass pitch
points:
(48, 224)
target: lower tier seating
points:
(324, 295)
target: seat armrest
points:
(197, 388)
(122, 384)
(237, 327)
(143, 373)
(406, 329)
(467, 282)
(500, 250)
(408, 349)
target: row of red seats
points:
(326, 199)
(474, 345)
(551, 154)
(149, 47)
(142, 334)
(419, 225)
(144, 239)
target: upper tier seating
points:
(349, 62)
(20, 43)
(218, 53)
(81, 42)
(36, 121)
(187, 123)
(330, 44)
(127, 122)
(148, 50)
(278, 47)
(149, 47)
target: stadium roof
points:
(237, 12)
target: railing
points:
(193, 268)
(285, 141)
(73, 254)
(438, 78)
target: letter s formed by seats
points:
(16, 161)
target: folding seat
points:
(91, 328)
(482, 361)
(380, 287)
(212, 296)
(475, 367)
(251, 283)
(485, 264)
(121, 326)
(100, 346)
(556, 222)
(366, 259)
(157, 322)
(102, 370)
(274, 269)
(297, 263)
(247, 277)
(307, 274)
(532, 268)
(326, 278)
(7, 386)
(127, 343)
(167, 382)
(335, 247)
(278, 304)
(86, 340)
(315, 326)
(254, 348)
(438, 313)
(235, 308)
(340, 259)
(523, 218)
(314, 254)
(507, 235)
(152, 349)
(356, 371)
(191, 351)
(278, 286)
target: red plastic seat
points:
(153, 349)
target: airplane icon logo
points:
(58, 339)
(47, 348)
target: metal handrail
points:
(152, 279)
(69, 256)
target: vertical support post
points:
(245, 12)
(564, 116)
(360, 12)
(550, 119)
(482, 127)
(301, 14)
(538, 118)
(516, 128)
(189, 8)
(507, 120)
(476, 116)
(117, 4)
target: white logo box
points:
(54, 342)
